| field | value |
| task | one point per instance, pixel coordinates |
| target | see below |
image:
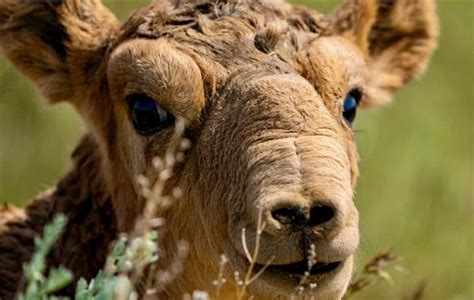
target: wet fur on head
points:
(260, 86)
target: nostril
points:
(321, 214)
(290, 216)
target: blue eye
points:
(148, 116)
(350, 106)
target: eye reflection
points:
(349, 110)
(147, 115)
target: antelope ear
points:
(397, 37)
(54, 42)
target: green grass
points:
(415, 192)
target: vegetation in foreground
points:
(130, 256)
(415, 193)
(125, 266)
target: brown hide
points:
(260, 87)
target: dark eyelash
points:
(357, 94)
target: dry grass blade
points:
(153, 190)
(300, 288)
(374, 270)
(259, 273)
(244, 244)
(248, 279)
(418, 292)
(220, 281)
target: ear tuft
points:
(354, 20)
(397, 37)
(44, 39)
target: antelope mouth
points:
(304, 268)
(320, 280)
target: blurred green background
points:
(415, 192)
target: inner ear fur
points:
(53, 42)
(398, 38)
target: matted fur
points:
(260, 86)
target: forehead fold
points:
(157, 68)
(228, 31)
(225, 35)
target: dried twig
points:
(156, 201)
(418, 292)
(220, 281)
(374, 270)
(248, 279)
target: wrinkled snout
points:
(286, 165)
(299, 162)
(304, 200)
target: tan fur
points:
(260, 86)
(398, 38)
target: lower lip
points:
(299, 272)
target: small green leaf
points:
(58, 278)
(82, 292)
(99, 282)
(119, 248)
